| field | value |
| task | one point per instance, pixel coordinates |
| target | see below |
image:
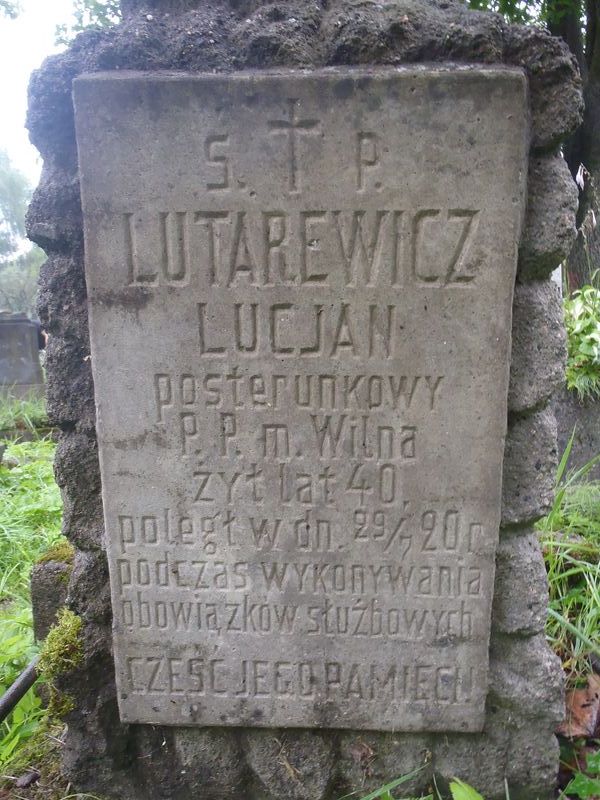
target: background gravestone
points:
(524, 701)
(20, 369)
(583, 418)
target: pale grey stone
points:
(521, 586)
(538, 345)
(526, 677)
(550, 229)
(531, 759)
(220, 296)
(530, 461)
(478, 759)
(522, 752)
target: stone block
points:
(54, 214)
(532, 760)
(550, 230)
(554, 83)
(527, 678)
(161, 313)
(521, 586)
(77, 473)
(297, 765)
(530, 461)
(479, 760)
(211, 762)
(522, 751)
(49, 586)
(368, 760)
(274, 36)
(89, 596)
(538, 345)
(73, 409)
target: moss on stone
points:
(62, 551)
(62, 652)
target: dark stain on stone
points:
(136, 442)
(344, 89)
(133, 298)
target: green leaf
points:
(593, 763)
(583, 786)
(462, 791)
(379, 794)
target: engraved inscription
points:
(301, 388)
(292, 128)
(385, 247)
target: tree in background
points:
(14, 197)
(578, 23)
(19, 261)
(9, 8)
(88, 14)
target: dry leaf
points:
(27, 779)
(362, 755)
(582, 710)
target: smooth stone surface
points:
(301, 386)
(20, 369)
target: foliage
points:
(62, 551)
(570, 538)
(385, 792)
(95, 14)
(22, 413)
(19, 282)
(19, 261)
(30, 518)
(585, 784)
(30, 514)
(462, 791)
(9, 8)
(527, 12)
(16, 651)
(15, 193)
(61, 653)
(582, 320)
(514, 10)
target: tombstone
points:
(20, 369)
(320, 402)
(579, 419)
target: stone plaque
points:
(300, 289)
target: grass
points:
(570, 539)
(30, 520)
(25, 413)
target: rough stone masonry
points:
(512, 723)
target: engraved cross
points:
(292, 127)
